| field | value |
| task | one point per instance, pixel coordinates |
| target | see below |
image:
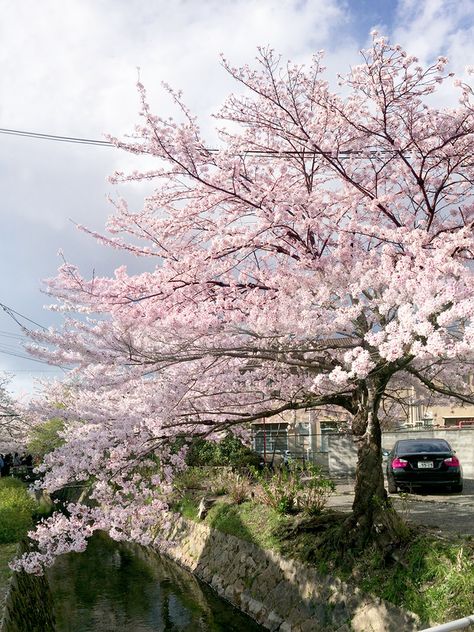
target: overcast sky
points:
(69, 67)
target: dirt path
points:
(453, 513)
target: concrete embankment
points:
(28, 605)
(280, 594)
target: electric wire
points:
(13, 313)
(25, 357)
(11, 350)
(11, 335)
(55, 137)
(263, 153)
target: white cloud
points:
(74, 64)
(428, 28)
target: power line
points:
(25, 357)
(13, 313)
(7, 349)
(12, 337)
(55, 137)
(7, 346)
(258, 153)
(34, 370)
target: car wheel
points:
(457, 488)
(392, 488)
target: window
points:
(270, 438)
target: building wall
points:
(420, 414)
(305, 431)
(342, 455)
(451, 415)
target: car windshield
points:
(413, 447)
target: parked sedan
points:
(423, 463)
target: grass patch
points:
(16, 510)
(248, 521)
(16, 519)
(432, 577)
(188, 508)
(428, 575)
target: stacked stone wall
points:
(28, 605)
(282, 595)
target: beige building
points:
(454, 415)
(302, 433)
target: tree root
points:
(340, 539)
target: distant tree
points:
(321, 256)
(7, 405)
(45, 437)
(12, 425)
(230, 451)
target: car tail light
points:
(398, 464)
(453, 461)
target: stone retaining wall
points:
(282, 595)
(28, 605)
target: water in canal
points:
(122, 588)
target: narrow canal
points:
(116, 587)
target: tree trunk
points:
(370, 495)
(372, 510)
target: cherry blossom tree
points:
(320, 256)
(12, 426)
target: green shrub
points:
(238, 487)
(292, 488)
(315, 493)
(219, 483)
(279, 489)
(191, 478)
(45, 437)
(201, 452)
(16, 509)
(228, 452)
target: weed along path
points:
(447, 512)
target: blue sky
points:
(365, 14)
(69, 68)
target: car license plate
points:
(425, 465)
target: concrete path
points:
(452, 513)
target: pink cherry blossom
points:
(319, 256)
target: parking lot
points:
(441, 510)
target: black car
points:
(423, 463)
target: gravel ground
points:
(452, 513)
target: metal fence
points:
(276, 444)
(24, 472)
